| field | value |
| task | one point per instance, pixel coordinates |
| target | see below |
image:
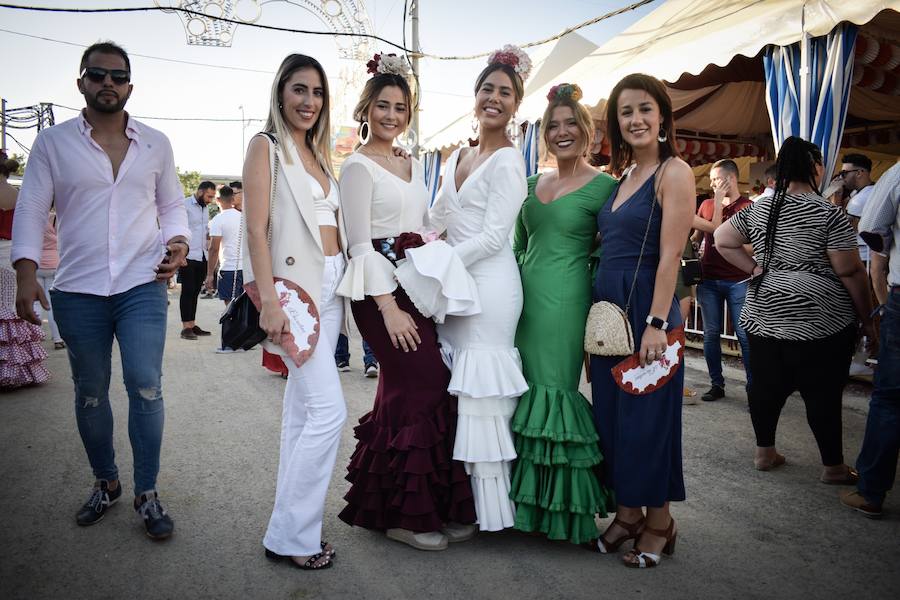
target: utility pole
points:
(3, 124)
(414, 17)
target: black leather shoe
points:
(198, 331)
(188, 334)
(157, 521)
(715, 393)
(96, 506)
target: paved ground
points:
(744, 534)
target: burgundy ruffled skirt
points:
(402, 473)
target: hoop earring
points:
(663, 137)
(512, 129)
(364, 134)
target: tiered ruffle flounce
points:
(404, 477)
(487, 382)
(554, 483)
(21, 353)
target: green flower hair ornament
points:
(565, 90)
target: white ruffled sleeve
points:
(507, 192)
(369, 273)
(436, 281)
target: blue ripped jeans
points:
(137, 319)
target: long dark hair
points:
(622, 154)
(796, 162)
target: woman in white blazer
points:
(305, 248)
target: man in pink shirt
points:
(123, 233)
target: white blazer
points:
(296, 246)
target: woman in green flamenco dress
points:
(554, 483)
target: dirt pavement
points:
(743, 533)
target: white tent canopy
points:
(685, 36)
(547, 62)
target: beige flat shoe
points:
(430, 540)
(457, 532)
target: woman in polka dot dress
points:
(21, 353)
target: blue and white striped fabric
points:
(823, 101)
(530, 148)
(432, 174)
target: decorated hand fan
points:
(635, 379)
(302, 315)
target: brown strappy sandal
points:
(638, 559)
(604, 547)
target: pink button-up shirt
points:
(111, 233)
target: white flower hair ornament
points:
(514, 57)
(388, 64)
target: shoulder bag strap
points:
(646, 233)
(273, 162)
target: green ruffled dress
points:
(554, 483)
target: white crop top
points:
(326, 206)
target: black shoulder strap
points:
(271, 136)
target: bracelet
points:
(384, 305)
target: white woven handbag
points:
(607, 331)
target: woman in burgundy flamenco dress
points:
(404, 479)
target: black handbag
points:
(240, 321)
(691, 271)
(240, 324)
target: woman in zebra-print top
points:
(801, 311)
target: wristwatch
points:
(657, 323)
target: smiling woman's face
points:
(639, 118)
(388, 114)
(564, 137)
(302, 99)
(495, 102)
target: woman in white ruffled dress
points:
(482, 192)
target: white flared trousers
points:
(313, 416)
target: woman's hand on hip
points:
(653, 345)
(401, 328)
(273, 321)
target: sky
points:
(38, 70)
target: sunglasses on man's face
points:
(98, 75)
(843, 174)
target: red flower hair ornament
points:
(514, 57)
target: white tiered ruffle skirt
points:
(486, 370)
(488, 383)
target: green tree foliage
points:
(19, 158)
(189, 180)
